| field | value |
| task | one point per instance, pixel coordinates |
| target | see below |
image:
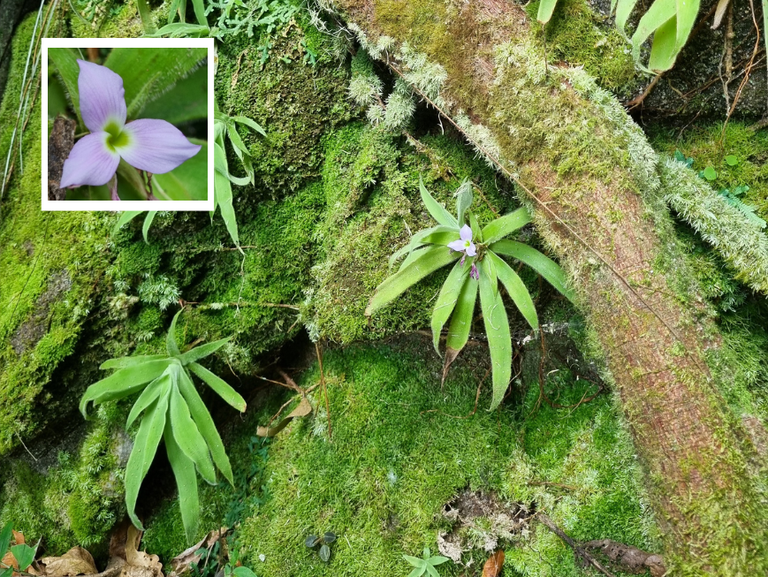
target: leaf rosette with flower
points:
(479, 270)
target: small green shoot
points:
(731, 160)
(325, 542)
(426, 564)
(22, 553)
(174, 411)
(445, 244)
(709, 173)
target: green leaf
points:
(710, 173)
(249, 123)
(148, 74)
(188, 436)
(731, 160)
(123, 383)
(436, 209)
(243, 571)
(180, 30)
(223, 192)
(203, 351)
(7, 572)
(236, 141)
(516, 289)
(664, 50)
(65, 61)
(177, 7)
(148, 396)
(461, 322)
(205, 425)
(418, 572)
(147, 223)
(497, 331)
(546, 8)
(188, 181)
(623, 10)
(199, 7)
(186, 482)
(543, 265)
(505, 225)
(5, 538)
(463, 201)
(442, 237)
(171, 345)
(125, 362)
(125, 217)
(438, 560)
(325, 553)
(660, 12)
(24, 555)
(432, 571)
(415, 561)
(428, 261)
(219, 385)
(446, 300)
(687, 11)
(187, 100)
(143, 453)
(477, 232)
(415, 242)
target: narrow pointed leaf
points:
(5, 537)
(543, 265)
(437, 210)
(446, 300)
(199, 8)
(249, 123)
(122, 383)
(205, 425)
(507, 224)
(442, 237)
(148, 396)
(143, 453)
(687, 11)
(623, 10)
(416, 572)
(516, 289)
(202, 351)
(463, 201)
(477, 232)
(664, 48)
(24, 555)
(125, 362)
(415, 561)
(432, 571)
(427, 262)
(147, 223)
(461, 321)
(223, 192)
(170, 340)
(414, 243)
(438, 560)
(186, 482)
(237, 142)
(659, 13)
(125, 217)
(189, 438)
(546, 8)
(497, 331)
(219, 385)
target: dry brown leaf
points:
(494, 565)
(182, 562)
(10, 561)
(76, 561)
(18, 537)
(302, 410)
(139, 563)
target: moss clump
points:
(295, 101)
(578, 35)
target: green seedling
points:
(325, 542)
(426, 564)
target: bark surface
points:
(593, 183)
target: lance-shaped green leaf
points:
(219, 385)
(461, 323)
(463, 201)
(122, 383)
(143, 453)
(205, 425)
(5, 537)
(202, 351)
(446, 300)
(188, 437)
(125, 217)
(546, 8)
(223, 193)
(443, 236)
(186, 481)
(199, 7)
(664, 49)
(543, 265)
(148, 396)
(147, 223)
(516, 289)
(660, 12)
(430, 259)
(437, 210)
(170, 340)
(504, 225)
(24, 555)
(497, 331)
(623, 10)
(65, 61)
(477, 232)
(415, 242)
(249, 123)
(125, 362)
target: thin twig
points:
(577, 549)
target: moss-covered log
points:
(593, 182)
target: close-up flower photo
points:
(118, 128)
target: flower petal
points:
(102, 96)
(471, 249)
(156, 146)
(457, 245)
(465, 233)
(89, 162)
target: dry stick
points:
(325, 390)
(549, 524)
(548, 210)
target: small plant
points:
(426, 564)
(453, 240)
(172, 410)
(325, 544)
(22, 553)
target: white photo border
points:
(113, 205)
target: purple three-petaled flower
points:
(155, 146)
(465, 245)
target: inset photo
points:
(128, 124)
